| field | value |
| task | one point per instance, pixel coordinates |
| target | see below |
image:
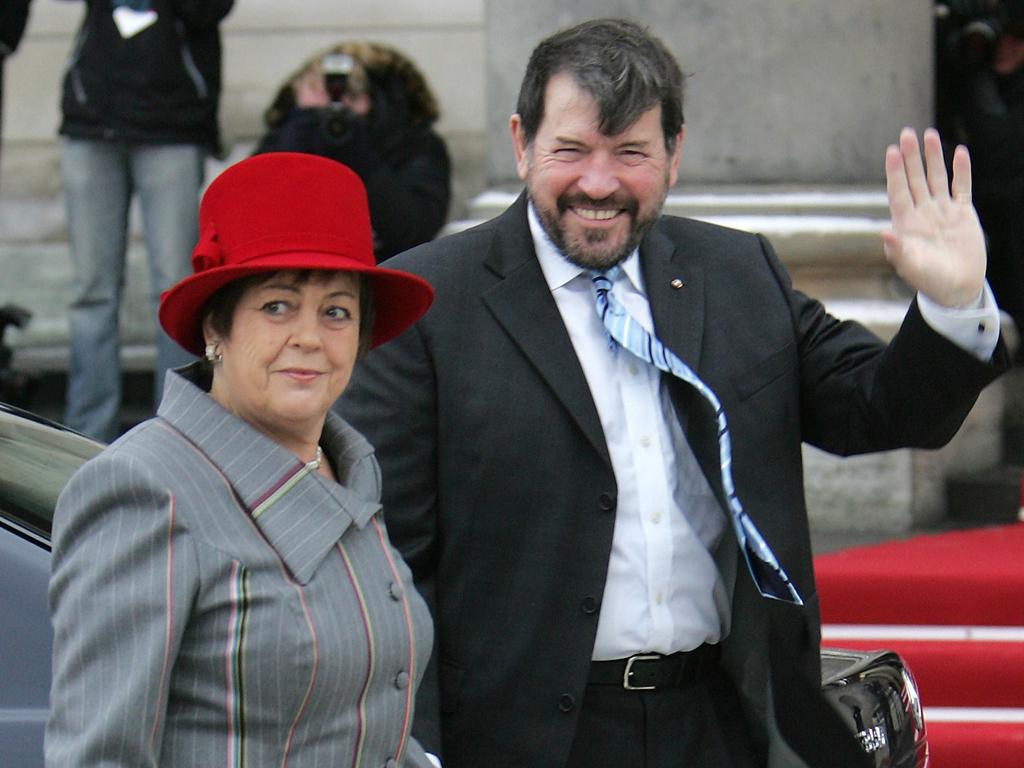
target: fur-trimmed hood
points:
(378, 67)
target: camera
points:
(338, 119)
(969, 29)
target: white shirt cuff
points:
(434, 761)
(974, 328)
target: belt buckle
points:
(629, 671)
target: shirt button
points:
(566, 702)
(395, 590)
(659, 598)
(633, 369)
(606, 502)
(589, 605)
(645, 441)
(402, 681)
(655, 517)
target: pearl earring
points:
(212, 354)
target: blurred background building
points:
(793, 90)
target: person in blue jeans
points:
(139, 105)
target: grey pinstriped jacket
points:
(217, 604)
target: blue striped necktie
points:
(769, 577)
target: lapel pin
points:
(677, 283)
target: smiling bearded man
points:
(596, 195)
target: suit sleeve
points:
(860, 395)
(392, 400)
(122, 579)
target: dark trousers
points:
(696, 726)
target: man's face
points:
(596, 195)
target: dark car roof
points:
(37, 456)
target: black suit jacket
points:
(499, 490)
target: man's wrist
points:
(973, 327)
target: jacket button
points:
(395, 590)
(402, 681)
(566, 702)
(606, 502)
(589, 604)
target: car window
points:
(36, 461)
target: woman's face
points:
(289, 354)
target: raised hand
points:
(935, 242)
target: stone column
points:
(796, 91)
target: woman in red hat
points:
(223, 588)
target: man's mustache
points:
(613, 202)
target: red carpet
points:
(985, 745)
(952, 605)
(973, 578)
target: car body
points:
(36, 459)
(875, 694)
(873, 691)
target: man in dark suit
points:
(562, 502)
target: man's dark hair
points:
(621, 64)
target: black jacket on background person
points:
(13, 17)
(402, 162)
(161, 85)
(984, 109)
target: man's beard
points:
(588, 254)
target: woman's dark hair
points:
(219, 309)
(622, 65)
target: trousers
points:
(100, 178)
(697, 726)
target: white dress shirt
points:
(664, 592)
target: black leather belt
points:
(651, 671)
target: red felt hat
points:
(287, 210)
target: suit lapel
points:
(524, 307)
(675, 291)
(678, 312)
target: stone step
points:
(827, 236)
(37, 277)
(738, 200)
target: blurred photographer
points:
(369, 107)
(979, 102)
